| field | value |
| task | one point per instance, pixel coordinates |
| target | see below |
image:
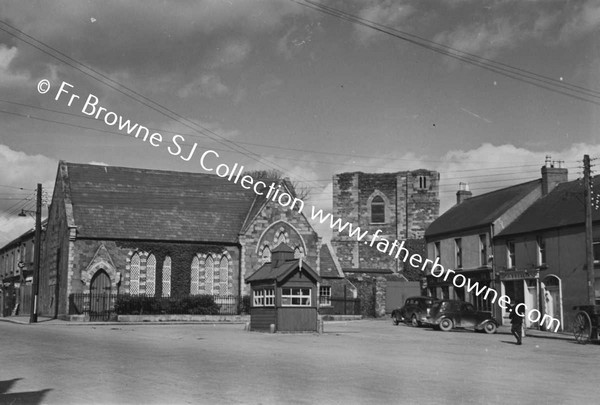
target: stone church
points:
(160, 233)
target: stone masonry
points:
(410, 201)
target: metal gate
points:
(100, 297)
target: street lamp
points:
(36, 259)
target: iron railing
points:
(339, 305)
(103, 306)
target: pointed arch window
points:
(266, 255)
(377, 210)
(166, 277)
(195, 276)
(224, 276)
(134, 275)
(209, 267)
(151, 275)
(281, 239)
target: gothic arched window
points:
(134, 275)
(377, 210)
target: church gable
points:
(100, 261)
(272, 225)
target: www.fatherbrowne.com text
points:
(276, 193)
(399, 251)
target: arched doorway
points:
(100, 297)
(551, 297)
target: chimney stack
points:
(463, 193)
(551, 175)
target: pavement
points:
(533, 333)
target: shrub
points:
(191, 304)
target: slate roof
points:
(561, 207)
(131, 203)
(328, 264)
(267, 272)
(480, 210)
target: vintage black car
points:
(448, 314)
(415, 311)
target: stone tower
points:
(401, 205)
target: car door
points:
(468, 315)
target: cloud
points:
(490, 167)
(269, 86)
(484, 39)
(17, 188)
(584, 19)
(146, 36)
(8, 78)
(232, 53)
(390, 13)
(206, 86)
(483, 27)
(485, 168)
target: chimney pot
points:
(463, 193)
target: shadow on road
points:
(509, 342)
(5, 386)
(17, 398)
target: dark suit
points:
(516, 321)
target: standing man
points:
(516, 321)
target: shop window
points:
(264, 297)
(295, 297)
(258, 298)
(269, 297)
(596, 247)
(377, 210)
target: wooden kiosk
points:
(284, 294)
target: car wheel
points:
(414, 322)
(395, 320)
(446, 324)
(490, 327)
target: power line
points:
(162, 130)
(506, 70)
(33, 117)
(107, 81)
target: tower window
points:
(377, 210)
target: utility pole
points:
(589, 244)
(37, 254)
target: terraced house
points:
(158, 233)
(465, 239)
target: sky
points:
(279, 84)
